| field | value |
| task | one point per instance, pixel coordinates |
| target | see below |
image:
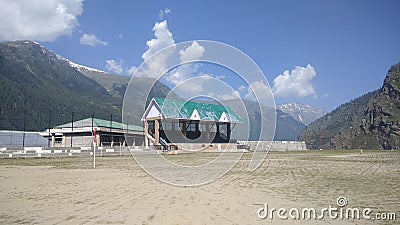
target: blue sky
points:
(344, 47)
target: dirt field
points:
(118, 191)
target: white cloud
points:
(242, 88)
(191, 85)
(192, 53)
(132, 70)
(220, 77)
(163, 13)
(92, 40)
(297, 83)
(186, 78)
(205, 85)
(163, 38)
(179, 74)
(41, 20)
(156, 66)
(257, 91)
(233, 95)
(114, 66)
(185, 71)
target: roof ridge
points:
(97, 122)
(186, 109)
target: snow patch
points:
(60, 57)
(81, 67)
(302, 113)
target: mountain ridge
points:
(302, 112)
(34, 79)
(370, 121)
(40, 89)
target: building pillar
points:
(112, 138)
(207, 130)
(228, 131)
(53, 140)
(157, 132)
(64, 140)
(184, 128)
(146, 133)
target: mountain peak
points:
(33, 44)
(303, 113)
(391, 84)
(26, 43)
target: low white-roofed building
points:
(81, 133)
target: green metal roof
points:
(184, 110)
(100, 123)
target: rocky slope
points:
(37, 89)
(370, 121)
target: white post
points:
(94, 147)
(94, 154)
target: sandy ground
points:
(118, 191)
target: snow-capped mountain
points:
(79, 67)
(82, 68)
(44, 50)
(305, 114)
